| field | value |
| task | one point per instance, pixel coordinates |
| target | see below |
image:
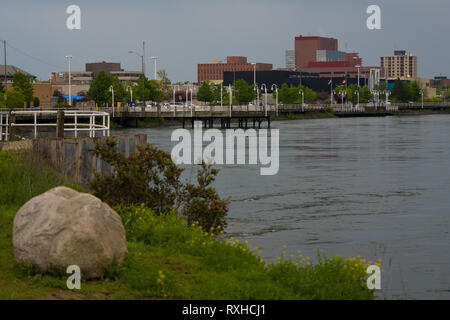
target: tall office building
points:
(290, 59)
(306, 49)
(401, 65)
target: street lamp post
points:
(111, 89)
(254, 75)
(186, 103)
(357, 94)
(142, 56)
(358, 66)
(421, 93)
(154, 60)
(69, 58)
(376, 97)
(263, 86)
(303, 98)
(130, 90)
(276, 98)
(174, 102)
(192, 93)
(230, 90)
(221, 96)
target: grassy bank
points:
(168, 259)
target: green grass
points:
(168, 259)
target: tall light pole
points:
(303, 98)
(230, 90)
(142, 56)
(358, 66)
(376, 96)
(174, 92)
(263, 86)
(221, 95)
(130, 90)
(276, 98)
(69, 58)
(111, 89)
(254, 74)
(185, 105)
(421, 93)
(192, 93)
(357, 94)
(154, 60)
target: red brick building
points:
(214, 71)
(320, 55)
(306, 48)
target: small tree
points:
(23, 84)
(14, 99)
(205, 93)
(365, 95)
(99, 90)
(243, 92)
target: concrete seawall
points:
(74, 157)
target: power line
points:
(33, 57)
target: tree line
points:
(22, 92)
(144, 90)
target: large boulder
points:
(63, 227)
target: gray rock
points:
(63, 227)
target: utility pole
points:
(143, 57)
(70, 84)
(4, 48)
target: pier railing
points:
(81, 121)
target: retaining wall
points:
(74, 157)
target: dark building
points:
(107, 67)
(214, 71)
(311, 80)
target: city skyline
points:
(183, 35)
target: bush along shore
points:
(176, 239)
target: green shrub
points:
(150, 177)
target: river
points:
(376, 186)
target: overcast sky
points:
(185, 33)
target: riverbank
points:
(174, 261)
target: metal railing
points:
(8, 121)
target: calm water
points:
(378, 187)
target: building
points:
(401, 65)
(11, 71)
(306, 49)
(214, 71)
(321, 55)
(440, 81)
(280, 77)
(290, 59)
(42, 90)
(92, 70)
(329, 55)
(107, 67)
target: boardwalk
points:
(92, 120)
